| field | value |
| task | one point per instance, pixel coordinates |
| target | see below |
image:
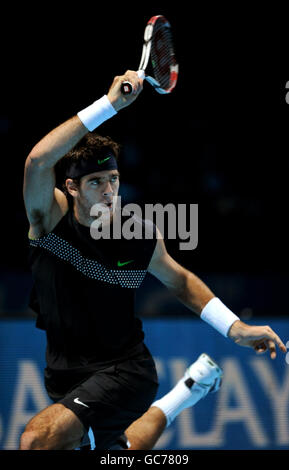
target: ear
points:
(71, 187)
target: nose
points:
(108, 190)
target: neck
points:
(81, 217)
(84, 218)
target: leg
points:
(54, 428)
(145, 431)
(201, 377)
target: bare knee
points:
(33, 440)
(35, 435)
(29, 440)
(55, 428)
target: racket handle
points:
(126, 87)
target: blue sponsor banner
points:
(250, 411)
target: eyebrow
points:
(99, 178)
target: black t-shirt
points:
(84, 291)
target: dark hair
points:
(90, 146)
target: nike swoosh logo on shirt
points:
(76, 400)
(124, 263)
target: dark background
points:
(219, 140)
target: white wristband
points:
(220, 317)
(98, 112)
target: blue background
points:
(251, 410)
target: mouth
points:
(109, 205)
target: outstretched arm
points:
(194, 293)
(186, 286)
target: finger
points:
(272, 348)
(271, 335)
(135, 81)
(260, 348)
(281, 345)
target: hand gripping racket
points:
(158, 46)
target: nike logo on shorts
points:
(76, 400)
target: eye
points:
(114, 179)
(94, 183)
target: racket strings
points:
(162, 55)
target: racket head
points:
(162, 53)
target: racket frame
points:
(146, 50)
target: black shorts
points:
(108, 399)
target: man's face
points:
(96, 188)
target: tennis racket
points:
(158, 46)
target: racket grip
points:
(126, 87)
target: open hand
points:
(260, 338)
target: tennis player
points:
(99, 372)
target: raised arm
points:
(45, 205)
